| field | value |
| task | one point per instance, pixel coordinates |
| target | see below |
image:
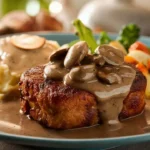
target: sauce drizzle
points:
(104, 74)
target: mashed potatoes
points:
(19, 53)
(8, 81)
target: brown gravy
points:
(19, 59)
(11, 121)
(106, 76)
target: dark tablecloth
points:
(8, 146)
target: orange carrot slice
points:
(139, 46)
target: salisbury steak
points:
(55, 105)
(63, 107)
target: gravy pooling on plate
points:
(104, 74)
(11, 121)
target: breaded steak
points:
(54, 104)
(63, 107)
(134, 103)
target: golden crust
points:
(134, 103)
(63, 107)
(55, 105)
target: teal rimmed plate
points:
(16, 131)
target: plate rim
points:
(5, 134)
(129, 138)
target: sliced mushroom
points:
(28, 42)
(99, 60)
(83, 73)
(111, 78)
(76, 54)
(111, 55)
(55, 71)
(108, 69)
(59, 54)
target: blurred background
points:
(57, 15)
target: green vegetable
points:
(104, 38)
(128, 35)
(85, 34)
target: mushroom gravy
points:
(11, 121)
(25, 51)
(104, 74)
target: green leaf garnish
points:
(85, 34)
(128, 35)
(104, 38)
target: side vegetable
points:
(139, 46)
(128, 35)
(104, 38)
(144, 70)
(140, 57)
(8, 81)
(136, 52)
(85, 34)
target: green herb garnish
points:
(128, 35)
(104, 38)
(85, 34)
